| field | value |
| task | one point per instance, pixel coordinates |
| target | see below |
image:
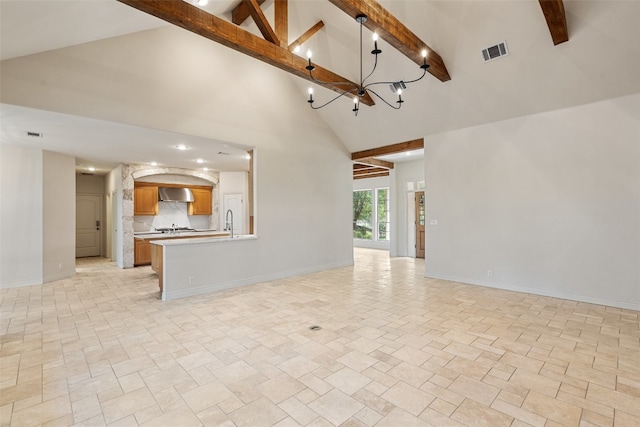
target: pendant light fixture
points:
(357, 91)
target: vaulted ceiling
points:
(601, 59)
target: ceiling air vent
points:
(34, 134)
(495, 52)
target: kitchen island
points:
(192, 282)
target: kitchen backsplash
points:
(170, 213)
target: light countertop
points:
(201, 240)
(179, 234)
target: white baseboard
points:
(59, 276)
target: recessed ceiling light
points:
(182, 147)
(154, 163)
(200, 161)
(202, 2)
(205, 169)
(408, 153)
(91, 168)
(247, 156)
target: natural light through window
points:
(371, 219)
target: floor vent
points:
(495, 52)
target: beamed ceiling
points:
(561, 53)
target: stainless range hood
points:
(172, 194)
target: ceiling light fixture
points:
(91, 168)
(359, 90)
(200, 161)
(154, 163)
(181, 147)
(202, 2)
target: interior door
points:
(420, 219)
(234, 203)
(88, 225)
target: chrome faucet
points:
(229, 224)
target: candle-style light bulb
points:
(424, 65)
(356, 105)
(399, 101)
(310, 101)
(310, 66)
(375, 50)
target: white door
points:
(234, 203)
(88, 225)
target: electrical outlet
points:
(60, 266)
(192, 280)
(490, 273)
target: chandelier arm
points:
(384, 100)
(323, 83)
(330, 101)
(424, 73)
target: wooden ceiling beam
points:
(261, 21)
(281, 12)
(369, 171)
(370, 161)
(394, 32)
(556, 20)
(374, 175)
(306, 36)
(401, 147)
(241, 12)
(196, 20)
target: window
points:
(371, 214)
(362, 218)
(382, 208)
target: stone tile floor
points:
(394, 349)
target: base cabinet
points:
(141, 252)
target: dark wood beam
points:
(401, 147)
(373, 175)
(261, 21)
(194, 19)
(240, 13)
(394, 32)
(282, 21)
(306, 36)
(371, 162)
(369, 171)
(556, 20)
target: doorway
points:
(234, 203)
(420, 219)
(88, 225)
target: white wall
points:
(59, 216)
(549, 203)
(21, 216)
(303, 205)
(37, 216)
(401, 220)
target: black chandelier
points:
(359, 90)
